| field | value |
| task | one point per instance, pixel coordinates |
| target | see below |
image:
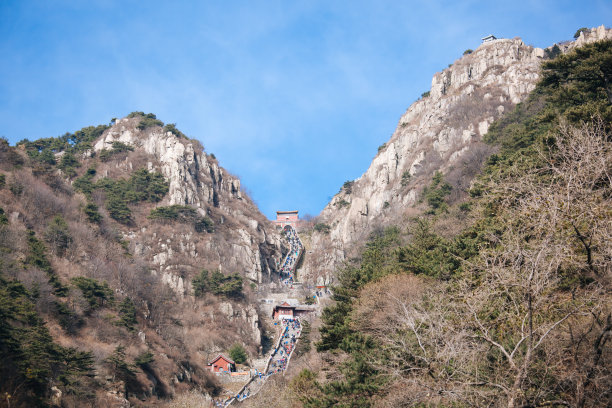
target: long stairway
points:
(290, 329)
(296, 248)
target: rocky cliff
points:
(246, 241)
(443, 132)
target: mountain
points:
(486, 278)
(441, 132)
(107, 234)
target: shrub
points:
(141, 186)
(69, 320)
(185, 214)
(580, 31)
(2, 180)
(84, 183)
(94, 292)
(405, 178)
(68, 163)
(322, 228)
(468, 51)
(16, 187)
(37, 257)
(238, 353)
(174, 212)
(92, 213)
(57, 235)
(204, 224)
(552, 53)
(171, 127)
(381, 147)
(348, 186)
(127, 314)
(149, 120)
(118, 147)
(436, 192)
(342, 203)
(425, 94)
(217, 284)
(120, 369)
(3, 218)
(144, 359)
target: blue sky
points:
(292, 96)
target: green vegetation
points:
(37, 257)
(118, 147)
(68, 319)
(2, 180)
(579, 31)
(553, 52)
(127, 314)
(405, 178)
(171, 127)
(57, 235)
(238, 353)
(144, 359)
(147, 120)
(31, 361)
(3, 218)
(468, 51)
(43, 150)
(491, 314)
(218, 284)
(425, 94)
(348, 186)
(322, 228)
(121, 370)
(381, 147)
(184, 214)
(342, 203)
(92, 213)
(68, 163)
(94, 292)
(141, 186)
(435, 194)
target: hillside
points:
(468, 266)
(103, 231)
(443, 131)
(499, 296)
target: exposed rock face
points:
(442, 131)
(245, 241)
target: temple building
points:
(287, 218)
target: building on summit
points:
(489, 38)
(287, 218)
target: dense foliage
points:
(238, 353)
(184, 214)
(217, 284)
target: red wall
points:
(220, 365)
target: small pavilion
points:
(283, 311)
(222, 363)
(489, 38)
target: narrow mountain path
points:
(296, 248)
(290, 330)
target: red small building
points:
(287, 218)
(222, 363)
(283, 311)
